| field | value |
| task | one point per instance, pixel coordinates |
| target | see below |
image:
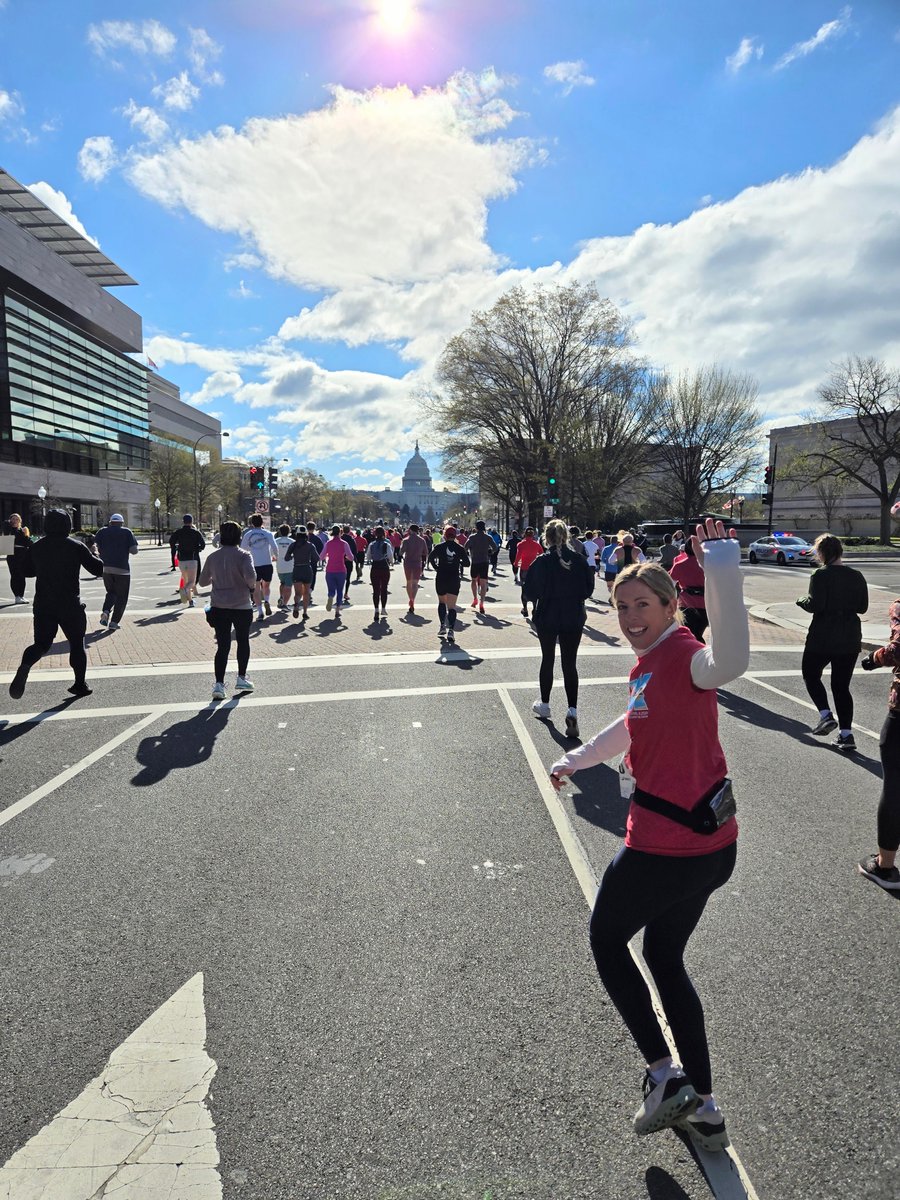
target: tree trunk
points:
(885, 531)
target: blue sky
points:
(314, 195)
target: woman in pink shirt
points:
(335, 555)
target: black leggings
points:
(568, 652)
(889, 804)
(812, 666)
(73, 622)
(665, 896)
(380, 576)
(222, 620)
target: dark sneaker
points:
(706, 1127)
(826, 725)
(845, 742)
(268, 607)
(80, 689)
(665, 1103)
(572, 730)
(886, 877)
(104, 618)
(17, 687)
(451, 637)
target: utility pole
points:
(769, 493)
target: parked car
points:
(782, 548)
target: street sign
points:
(262, 506)
(548, 510)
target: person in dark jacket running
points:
(558, 583)
(837, 595)
(187, 542)
(448, 559)
(16, 561)
(56, 562)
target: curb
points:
(761, 613)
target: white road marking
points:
(141, 1128)
(756, 677)
(725, 1172)
(324, 661)
(57, 781)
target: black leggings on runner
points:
(73, 622)
(889, 804)
(665, 896)
(380, 578)
(568, 652)
(222, 620)
(812, 666)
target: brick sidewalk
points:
(177, 634)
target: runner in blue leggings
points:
(663, 876)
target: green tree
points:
(170, 478)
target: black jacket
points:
(836, 595)
(187, 542)
(448, 560)
(559, 584)
(56, 562)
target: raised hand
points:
(712, 531)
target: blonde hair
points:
(653, 576)
(556, 538)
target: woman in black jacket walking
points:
(558, 583)
(837, 595)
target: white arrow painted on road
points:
(141, 1128)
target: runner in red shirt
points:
(527, 551)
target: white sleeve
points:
(604, 745)
(728, 654)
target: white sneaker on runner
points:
(218, 692)
(540, 709)
(667, 1102)
(242, 684)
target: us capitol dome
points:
(417, 493)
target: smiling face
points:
(643, 616)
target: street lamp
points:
(219, 511)
(156, 503)
(42, 496)
(201, 438)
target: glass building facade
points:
(62, 391)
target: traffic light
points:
(273, 480)
(767, 477)
(552, 497)
(767, 498)
(258, 478)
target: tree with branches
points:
(859, 432)
(705, 429)
(546, 379)
(170, 477)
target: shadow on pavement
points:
(289, 633)
(455, 656)
(162, 619)
(598, 799)
(9, 733)
(182, 745)
(764, 718)
(377, 630)
(661, 1185)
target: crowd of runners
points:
(681, 834)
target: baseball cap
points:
(118, 517)
(450, 531)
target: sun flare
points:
(395, 16)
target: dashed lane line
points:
(69, 773)
(725, 1173)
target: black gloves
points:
(868, 663)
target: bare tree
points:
(860, 431)
(543, 382)
(802, 472)
(170, 477)
(705, 434)
(304, 491)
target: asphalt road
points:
(398, 991)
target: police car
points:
(782, 548)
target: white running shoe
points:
(667, 1102)
(540, 709)
(243, 684)
(218, 692)
(706, 1127)
(572, 730)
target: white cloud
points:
(96, 158)
(242, 292)
(381, 185)
(746, 50)
(146, 120)
(372, 474)
(219, 383)
(242, 262)
(570, 75)
(11, 106)
(177, 92)
(59, 203)
(143, 37)
(825, 33)
(201, 51)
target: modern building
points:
(77, 414)
(417, 495)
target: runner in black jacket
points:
(448, 559)
(56, 561)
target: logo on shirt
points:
(637, 701)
